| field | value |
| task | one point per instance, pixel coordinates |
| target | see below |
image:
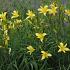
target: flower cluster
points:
(51, 10)
(4, 28)
(7, 25)
(44, 10)
(15, 21)
(45, 54)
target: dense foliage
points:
(35, 39)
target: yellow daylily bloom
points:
(30, 49)
(43, 10)
(53, 9)
(3, 16)
(63, 48)
(45, 54)
(30, 14)
(67, 12)
(15, 14)
(41, 36)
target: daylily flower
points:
(30, 14)
(3, 16)
(41, 36)
(53, 9)
(45, 54)
(63, 48)
(15, 14)
(67, 12)
(30, 49)
(43, 10)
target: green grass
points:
(23, 36)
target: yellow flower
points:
(45, 54)
(15, 14)
(43, 10)
(3, 16)
(53, 9)
(63, 48)
(30, 14)
(67, 12)
(41, 36)
(31, 49)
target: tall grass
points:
(20, 37)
